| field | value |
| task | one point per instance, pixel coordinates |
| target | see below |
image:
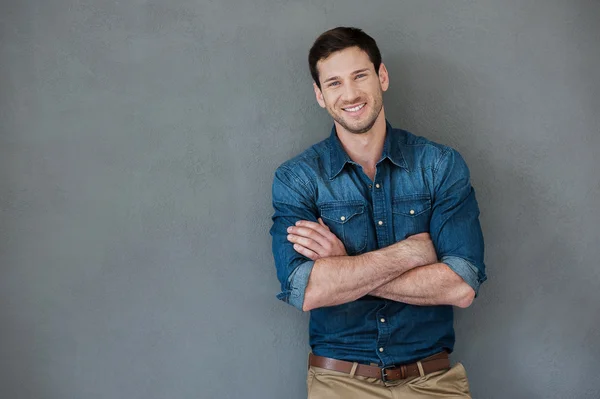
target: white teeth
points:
(355, 108)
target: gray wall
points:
(137, 144)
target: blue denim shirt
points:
(419, 186)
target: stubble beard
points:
(369, 122)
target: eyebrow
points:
(353, 73)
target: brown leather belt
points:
(437, 362)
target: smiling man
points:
(376, 233)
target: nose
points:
(350, 93)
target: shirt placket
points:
(383, 335)
(381, 217)
(380, 211)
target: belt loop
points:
(421, 371)
(353, 371)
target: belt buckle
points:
(384, 375)
(402, 372)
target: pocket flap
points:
(341, 213)
(411, 206)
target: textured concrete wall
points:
(137, 144)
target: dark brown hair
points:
(338, 39)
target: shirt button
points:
(412, 212)
(380, 223)
(380, 349)
(343, 218)
(370, 186)
(377, 186)
(382, 320)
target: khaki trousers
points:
(327, 384)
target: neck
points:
(365, 148)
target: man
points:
(376, 233)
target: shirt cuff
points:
(465, 269)
(297, 283)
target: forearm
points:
(434, 284)
(341, 279)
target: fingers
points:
(316, 237)
(313, 231)
(320, 228)
(306, 252)
(306, 242)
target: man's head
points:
(349, 77)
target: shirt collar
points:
(339, 158)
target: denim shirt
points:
(419, 186)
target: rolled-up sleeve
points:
(292, 201)
(455, 228)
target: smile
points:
(354, 109)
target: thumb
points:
(322, 223)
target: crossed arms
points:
(406, 271)
(443, 267)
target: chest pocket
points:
(411, 215)
(348, 221)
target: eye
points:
(336, 83)
(360, 75)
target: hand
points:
(315, 240)
(421, 249)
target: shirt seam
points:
(438, 163)
(297, 179)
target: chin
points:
(361, 127)
(360, 130)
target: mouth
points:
(354, 108)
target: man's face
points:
(351, 90)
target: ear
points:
(319, 95)
(384, 78)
